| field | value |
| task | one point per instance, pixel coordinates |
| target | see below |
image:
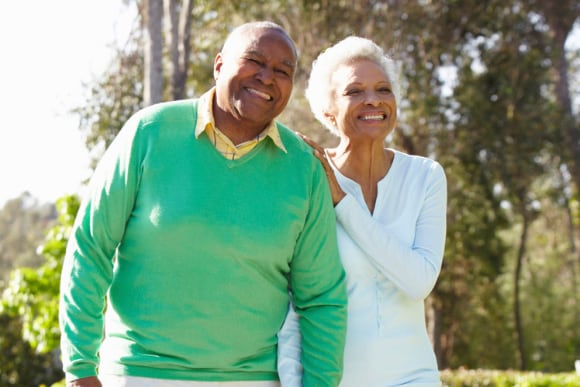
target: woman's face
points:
(362, 101)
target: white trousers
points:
(135, 381)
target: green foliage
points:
(111, 101)
(491, 378)
(551, 330)
(23, 223)
(32, 294)
(20, 364)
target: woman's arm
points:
(412, 268)
(289, 351)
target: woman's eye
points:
(352, 92)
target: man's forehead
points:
(248, 40)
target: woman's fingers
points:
(335, 189)
(318, 149)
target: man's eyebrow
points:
(289, 64)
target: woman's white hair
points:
(352, 48)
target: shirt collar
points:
(205, 118)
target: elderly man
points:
(199, 219)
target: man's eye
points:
(282, 72)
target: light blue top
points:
(392, 260)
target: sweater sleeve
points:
(413, 269)
(319, 291)
(88, 264)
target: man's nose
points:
(266, 75)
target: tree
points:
(23, 223)
(179, 20)
(29, 305)
(20, 364)
(560, 19)
(153, 77)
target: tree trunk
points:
(435, 330)
(179, 15)
(521, 354)
(561, 20)
(574, 261)
(153, 77)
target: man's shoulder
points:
(292, 141)
(168, 111)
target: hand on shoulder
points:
(335, 189)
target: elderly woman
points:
(390, 209)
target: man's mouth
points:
(260, 94)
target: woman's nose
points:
(372, 98)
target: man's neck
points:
(237, 130)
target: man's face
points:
(254, 78)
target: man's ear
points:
(217, 65)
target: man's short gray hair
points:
(346, 51)
(256, 25)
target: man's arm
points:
(319, 291)
(88, 265)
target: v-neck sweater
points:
(196, 253)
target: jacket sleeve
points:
(413, 269)
(88, 263)
(319, 291)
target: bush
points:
(20, 364)
(492, 378)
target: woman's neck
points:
(364, 162)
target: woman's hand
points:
(335, 190)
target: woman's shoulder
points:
(417, 163)
(414, 159)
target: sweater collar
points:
(205, 118)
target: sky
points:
(49, 48)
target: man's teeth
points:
(260, 94)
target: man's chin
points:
(261, 117)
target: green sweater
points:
(192, 256)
